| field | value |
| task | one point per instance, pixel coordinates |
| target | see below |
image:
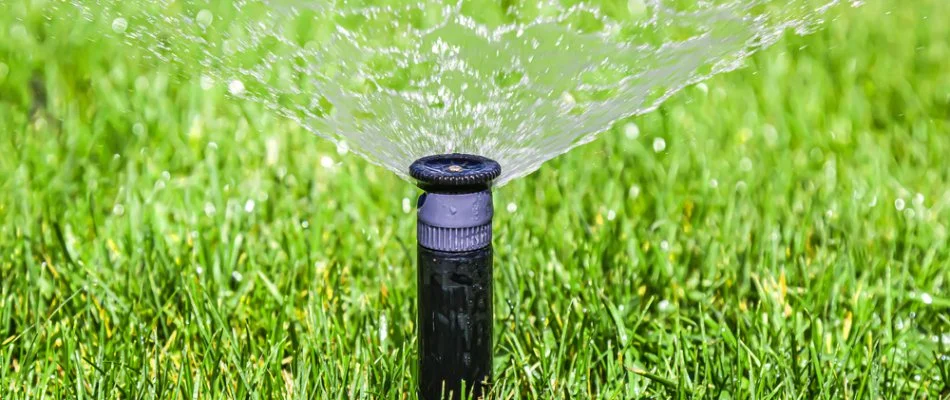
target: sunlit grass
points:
(788, 239)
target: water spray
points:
(454, 274)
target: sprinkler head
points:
(454, 172)
(454, 235)
(455, 212)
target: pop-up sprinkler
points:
(454, 274)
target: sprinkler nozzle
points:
(454, 172)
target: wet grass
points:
(778, 232)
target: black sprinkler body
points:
(454, 274)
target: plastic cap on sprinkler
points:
(454, 172)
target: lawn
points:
(776, 232)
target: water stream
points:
(520, 82)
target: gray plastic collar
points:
(455, 222)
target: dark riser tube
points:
(455, 323)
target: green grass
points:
(160, 240)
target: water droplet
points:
(236, 276)
(249, 206)
(568, 101)
(745, 164)
(305, 224)
(611, 215)
(664, 306)
(637, 7)
(713, 183)
(926, 299)
(236, 87)
(138, 129)
(918, 200)
(210, 209)
(199, 270)
(326, 162)
(899, 204)
(204, 18)
(406, 205)
(776, 235)
(659, 144)
(512, 207)
(634, 191)
(342, 148)
(665, 246)
(631, 130)
(118, 210)
(119, 25)
(703, 88)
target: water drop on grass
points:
(659, 144)
(745, 164)
(918, 200)
(118, 210)
(703, 88)
(611, 215)
(512, 207)
(636, 7)
(119, 25)
(249, 206)
(899, 204)
(210, 209)
(406, 205)
(713, 183)
(204, 18)
(342, 148)
(567, 101)
(236, 87)
(326, 162)
(236, 277)
(634, 191)
(926, 299)
(631, 130)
